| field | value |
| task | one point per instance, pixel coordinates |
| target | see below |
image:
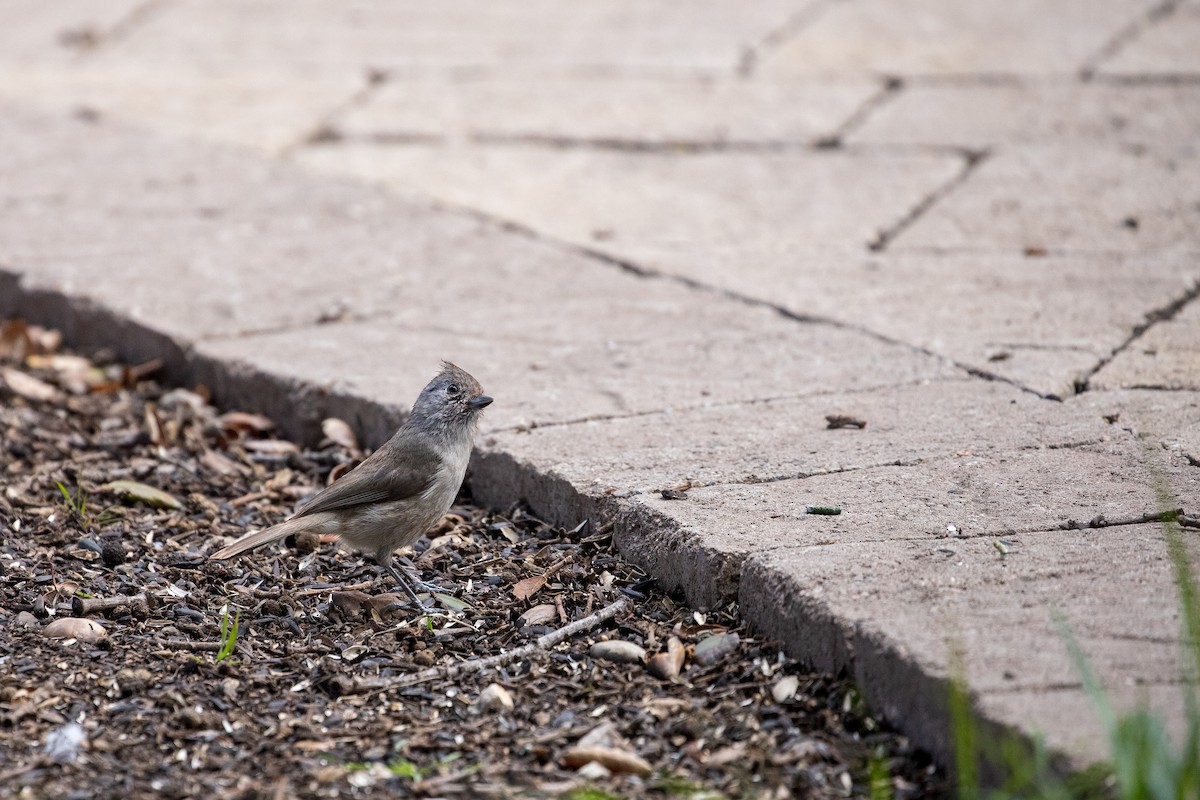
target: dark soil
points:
(305, 704)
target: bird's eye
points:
(453, 390)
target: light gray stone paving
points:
(304, 37)
(1165, 49)
(1168, 419)
(1164, 118)
(1005, 495)
(690, 204)
(910, 605)
(1064, 198)
(950, 37)
(1167, 357)
(790, 437)
(264, 111)
(1043, 322)
(58, 32)
(606, 109)
(557, 356)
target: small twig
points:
(545, 642)
(556, 566)
(350, 587)
(1102, 522)
(82, 606)
(558, 606)
(248, 498)
(188, 644)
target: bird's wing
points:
(396, 471)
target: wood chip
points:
(619, 761)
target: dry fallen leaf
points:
(141, 493)
(223, 465)
(667, 665)
(338, 432)
(524, 589)
(85, 630)
(30, 387)
(14, 340)
(539, 615)
(615, 760)
(243, 422)
(271, 447)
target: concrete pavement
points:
(671, 241)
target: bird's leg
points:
(407, 586)
(424, 586)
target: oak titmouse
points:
(395, 495)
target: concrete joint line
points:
(1164, 313)
(971, 160)
(751, 401)
(325, 129)
(1125, 36)
(120, 30)
(753, 54)
(888, 93)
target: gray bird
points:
(396, 494)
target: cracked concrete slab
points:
(58, 32)
(1060, 198)
(1167, 356)
(1011, 494)
(226, 225)
(534, 37)
(625, 204)
(1164, 49)
(891, 612)
(789, 437)
(628, 111)
(1043, 322)
(262, 111)
(1164, 118)
(555, 356)
(949, 37)
(1167, 419)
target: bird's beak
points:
(476, 403)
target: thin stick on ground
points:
(544, 642)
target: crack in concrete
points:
(1125, 36)
(1161, 79)
(329, 134)
(705, 406)
(971, 161)
(519, 228)
(325, 129)
(1164, 313)
(121, 29)
(888, 92)
(753, 54)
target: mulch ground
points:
(121, 675)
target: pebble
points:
(495, 698)
(667, 665)
(715, 648)
(619, 651)
(84, 630)
(785, 688)
(26, 620)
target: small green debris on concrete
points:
(829, 511)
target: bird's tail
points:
(265, 536)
